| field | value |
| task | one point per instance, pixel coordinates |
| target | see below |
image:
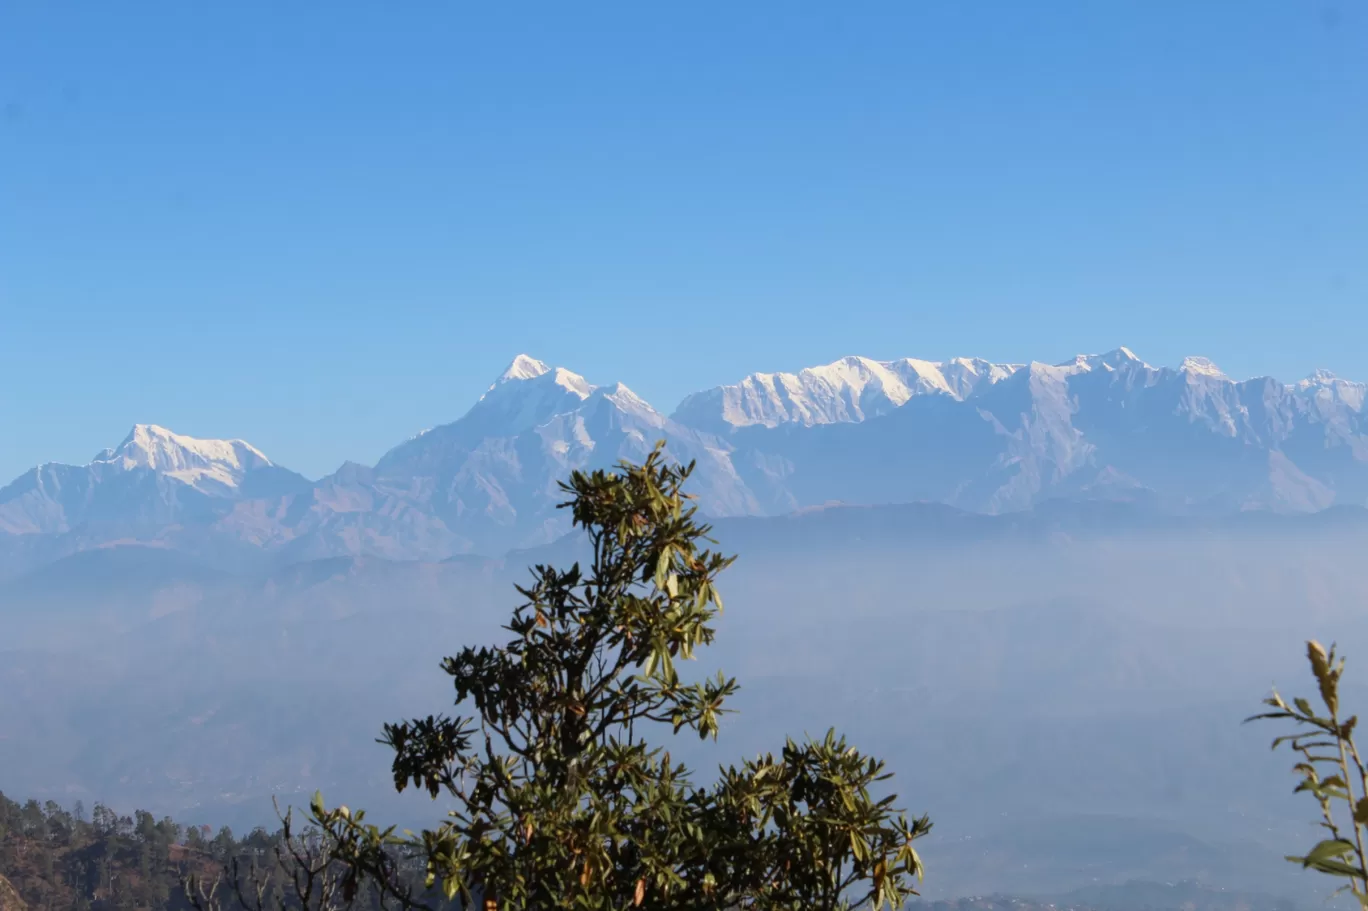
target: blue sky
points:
(323, 227)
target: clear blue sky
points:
(322, 227)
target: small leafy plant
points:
(1332, 771)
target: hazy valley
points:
(1085, 660)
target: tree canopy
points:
(560, 800)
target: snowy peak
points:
(524, 367)
(967, 374)
(151, 446)
(210, 466)
(918, 376)
(1327, 389)
(1119, 359)
(572, 382)
(857, 374)
(1200, 366)
(530, 395)
(525, 395)
(154, 479)
(849, 390)
(625, 399)
(529, 373)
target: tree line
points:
(58, 859)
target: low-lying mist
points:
(1062, 693)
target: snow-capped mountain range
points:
(966, 432)
(850, 390)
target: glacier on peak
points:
(855, 389)
(965, 374)
(154, 476)
(492, 475)
(627, 400)
(155, 447)
(524, 367)
(848, 390)
(1118, 359)
(1327, 388)
(529, 395)
(526, 373)
(210, 466)
(529, 392)
(1201, 366)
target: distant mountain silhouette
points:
(985, 438)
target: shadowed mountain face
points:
(1060, 688)
(989, 438)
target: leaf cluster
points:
(558, 800)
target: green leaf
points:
(1338, 868)
(1325, 850)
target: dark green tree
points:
(559, 799)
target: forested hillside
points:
(63, 859)
(55, 859)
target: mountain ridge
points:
(154, 476)
(966, 432)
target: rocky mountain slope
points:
(985, 437)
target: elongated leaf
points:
(1338, 868)
(1328, 849)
